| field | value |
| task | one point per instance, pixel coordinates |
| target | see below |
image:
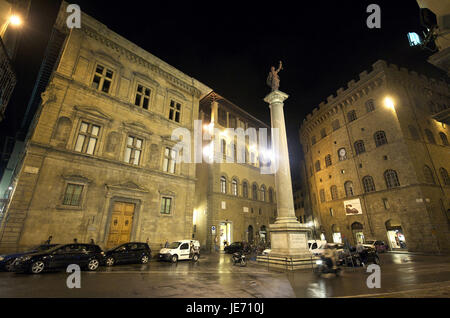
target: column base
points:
(290, 263)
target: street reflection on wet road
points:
(402, 275)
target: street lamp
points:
(15, 20)
(389, 103)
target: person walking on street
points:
(361, 252)
(166, 245)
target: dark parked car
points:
(370, 256)
(87, 256)
(234, 247)
(7, 260)
(380, 246)
(128, 253)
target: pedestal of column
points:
(289, 238)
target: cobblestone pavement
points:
(214, 277)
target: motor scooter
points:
(239, 258)
(325, 266)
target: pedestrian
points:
(216, 243)
(49, 240)
(92, 241)
(166, 245)
(191, 250)
(361, 252)
(75, 240)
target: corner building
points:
(377, 158)
(99, 161)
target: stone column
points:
(289, 246)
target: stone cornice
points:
(134, 58)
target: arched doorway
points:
(337, 237)
(358, 235)
(395, 235)
(250, 234)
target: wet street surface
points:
(402, 275)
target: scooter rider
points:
(330, 254)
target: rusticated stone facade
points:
(96, 163)
(396, 160)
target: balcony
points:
(8, 79)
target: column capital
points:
(276, 97)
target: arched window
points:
(380, 138)
(234, 187)
(413, 132)
(428, 174)
(322, 195)
(391, 178)
(359, 147)
(334, 192)
(348, 188)
(369, 185)
(317, 165)
(370, 105)
(223, 185)
(245, 189)
(351, 116)
(443, 138)
(255, 192)
(270, 195)
(430, 136)
(444, 175)
(263, 193)
(328, 160)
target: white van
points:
(180, 250)
(316, 246)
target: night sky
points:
(230, 46)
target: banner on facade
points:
(353, 207)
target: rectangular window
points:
(102, 79)
(232, 121)
(142, 97)
(175, 111)
(87, 138)
(170, 159)
(133, 151)
(72, 195)
(313, 140)
(166, 205)
(336, 125)
(323, 133)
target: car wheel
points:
(110, 261)
(93, 264)
(243, 262)
(174, 258)
(195, 258)
(37, 267)
(144, 259)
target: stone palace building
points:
(377, 161)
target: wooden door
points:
(121, 224)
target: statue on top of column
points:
(273, 80)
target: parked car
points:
(87, 256)
(379, 246)
(128, 253)
(353, 258)
(180, 250)
(234, 247)
(7, 260)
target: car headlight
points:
(1, 258)
(319, 262)
(25, 258)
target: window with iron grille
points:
(334, 192)
(351, 116)
(133, 150)
(391, 179)
(142, 96)
(359, 147)
(380, 138)
(102, 78)
(328, 160)
(428, 174)
(255, 192)
(72, 196)
(170, 159)
(444, 175)
(336, 125)
(348, 188)
(370, 105)
(166, 205)
(175, 111)
(369, 185)
(443, 138)
(87, 138)
(322, 195)
(430, 136)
